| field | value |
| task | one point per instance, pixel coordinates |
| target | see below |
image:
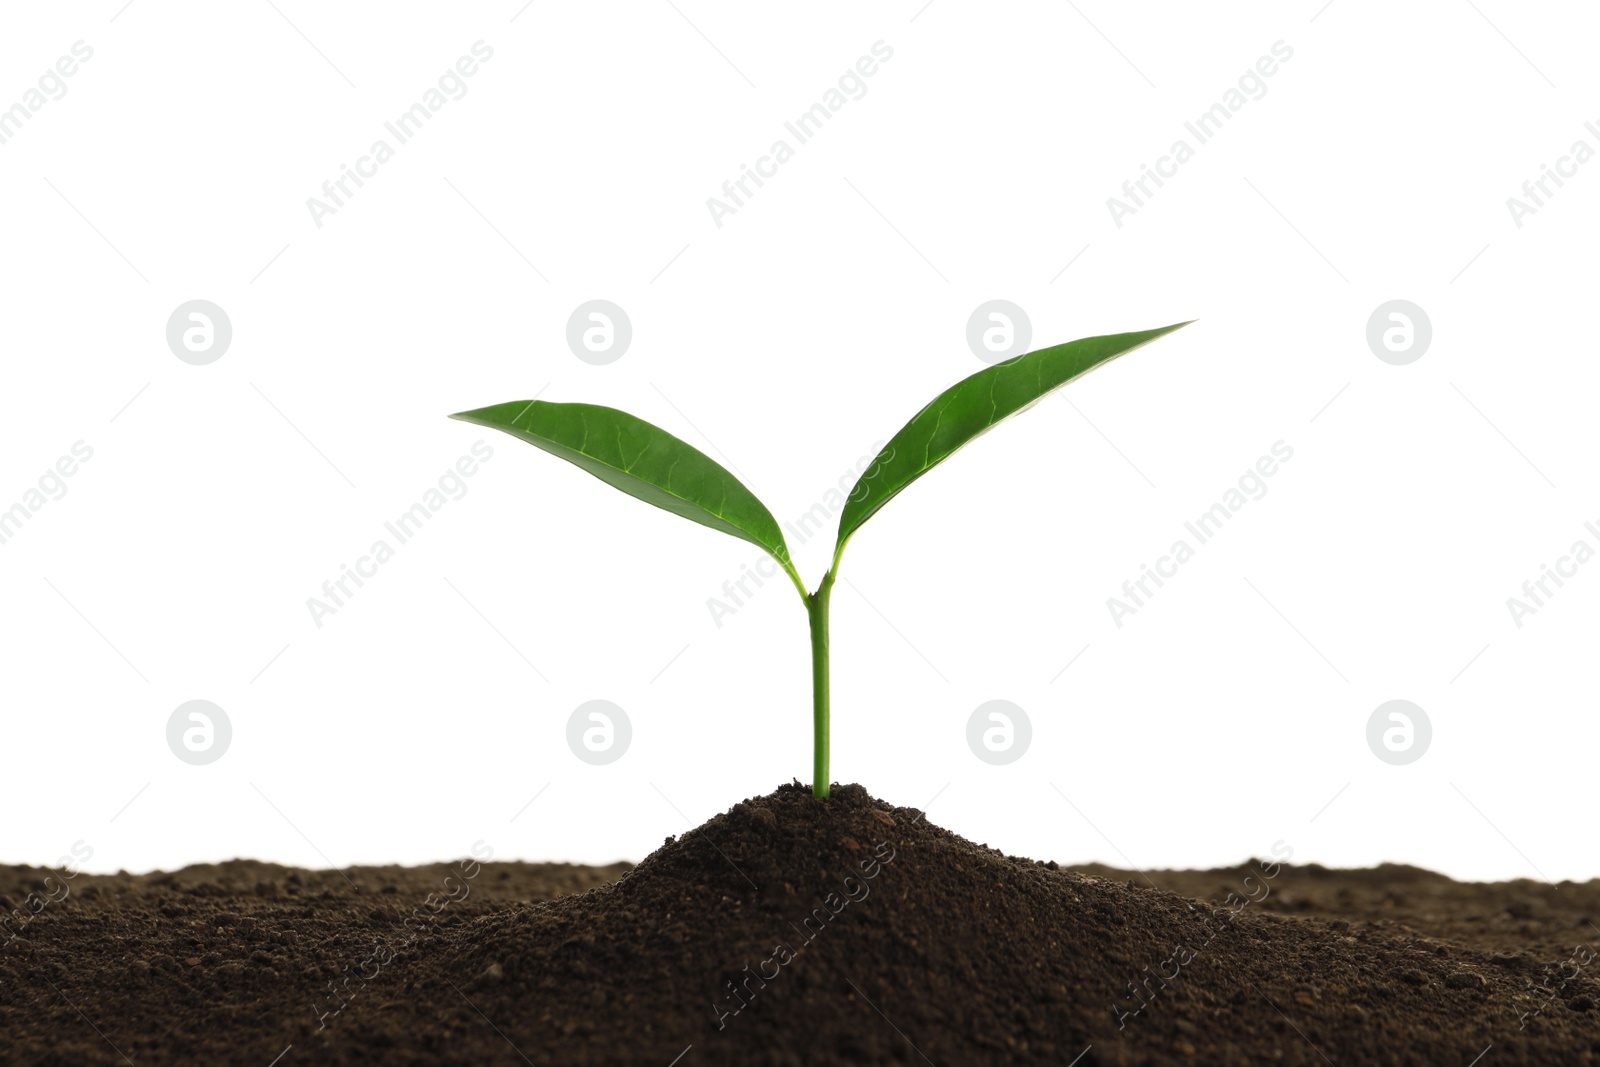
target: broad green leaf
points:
(971, 407)
(643, 461)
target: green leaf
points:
(643, 461)
(971, 407)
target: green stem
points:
(817, 611)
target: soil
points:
(793, 931)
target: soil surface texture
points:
(792, 931)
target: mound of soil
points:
(796, 931)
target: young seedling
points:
(647, 462)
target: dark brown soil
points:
(793, 931)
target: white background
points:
(1222, 717)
